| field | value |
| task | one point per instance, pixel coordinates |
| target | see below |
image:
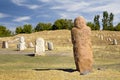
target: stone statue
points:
(82, 47)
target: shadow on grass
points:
(66, 70)
(31, 55)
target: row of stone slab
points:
(39, 45)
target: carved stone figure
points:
(82, 47)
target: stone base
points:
(85, 72)
(39, 54)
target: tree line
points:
(58, 24)
(107, 24)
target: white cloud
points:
(24, 3)
(70, 6)
(68, 15)
(44, 0)
(100, 6)
(2, 15)
(32, 6)
(112, 7)
(18, 2)
(23, 18)
(74, 8)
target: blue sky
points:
(15, 13)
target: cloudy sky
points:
(15, 13)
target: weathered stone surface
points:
(21, 44)
(40, 46)
(82, 47)
(50, 45)
(115, 42)
(22, 39)
(4, 44)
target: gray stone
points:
(50, 45)
(5, 44)
(21, 44)
(115, 42)
(40, 46)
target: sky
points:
(14, 13)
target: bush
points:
(43, 26)
(27, 28)
(4, 32)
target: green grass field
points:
(57, 67)
(59, 63)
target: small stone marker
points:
(50, 45)
(21, 45)
(40, 46)
(5, 44)
(115, 42)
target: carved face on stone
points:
(79, 22)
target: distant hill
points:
(62, 38)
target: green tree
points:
(110, 22)
(91, 25)
(27, 28)
(117, 27)
(59, 24)
(19, 30)
(105, 20)
(96, 22)
(62, 24)
(4, 31)
(43, 26)
(70, 24)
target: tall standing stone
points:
(21, 45)
(82, 47)
(50, 45)
(40, 46)
(115, 42)
(4, 44)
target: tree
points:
(4, 31)
(91, 25)
(70, 24)
(27, 28)
(105, 20)
(58, 24)
(43, 26)
(19, 30)
(96, 22)
(62, 24)
(117, 27)
(110, 22)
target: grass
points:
(21, 61)
(59, 63)
(55, 67)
